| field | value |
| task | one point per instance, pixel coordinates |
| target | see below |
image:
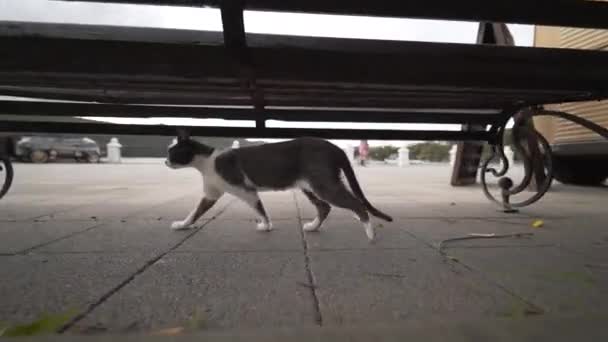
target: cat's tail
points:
(354, 185)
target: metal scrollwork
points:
(506, 184)
(520, 133)
(6, 175)
(6, 167)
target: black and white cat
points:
(313, 165)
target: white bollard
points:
(453, 155)
(114, 151)
(236, 144)
(350, 153)
(510, 155)
(404, 157)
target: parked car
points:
(39, 149)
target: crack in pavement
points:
(543, 245)
(71, 207)
(233, 251)
(96, 224)
(161, 204)
(307, 264)
(139, 271)
(46, 243)
(40, 218)
(534, 307)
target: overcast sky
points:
(256, 22)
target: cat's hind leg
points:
(323, 210)
(336, 194)
(253, 200)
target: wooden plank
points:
(109, 33)
(207, 38)
(421, 99)
(37, 108)
(237, 132)
(163, 98)
(156, 85)
(326, 60)
(131, 72)
(276, 87)
(577, 13)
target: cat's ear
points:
(182, 134)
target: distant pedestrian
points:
(363, 152)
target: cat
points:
(313, 165)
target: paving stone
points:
(211, 291)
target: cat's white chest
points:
(213, 182)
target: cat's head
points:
(184, 152)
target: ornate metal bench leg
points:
(6, 167)
(6, 175)
(520, 132)
(507, 187)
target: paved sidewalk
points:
(95, 240)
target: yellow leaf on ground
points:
(169, 331)
(538, 223)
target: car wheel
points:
(39, 157)
(580, 170)
(93, 158)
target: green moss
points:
(519, 309)
(583, 278)
(198, 321)
(46, 324)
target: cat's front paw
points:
(177, 225)
(264, 226)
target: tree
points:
(382, 152)
(430, 151)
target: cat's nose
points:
(167, 162)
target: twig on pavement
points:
(474, 236)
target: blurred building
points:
(558, 131)
(581, 156)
